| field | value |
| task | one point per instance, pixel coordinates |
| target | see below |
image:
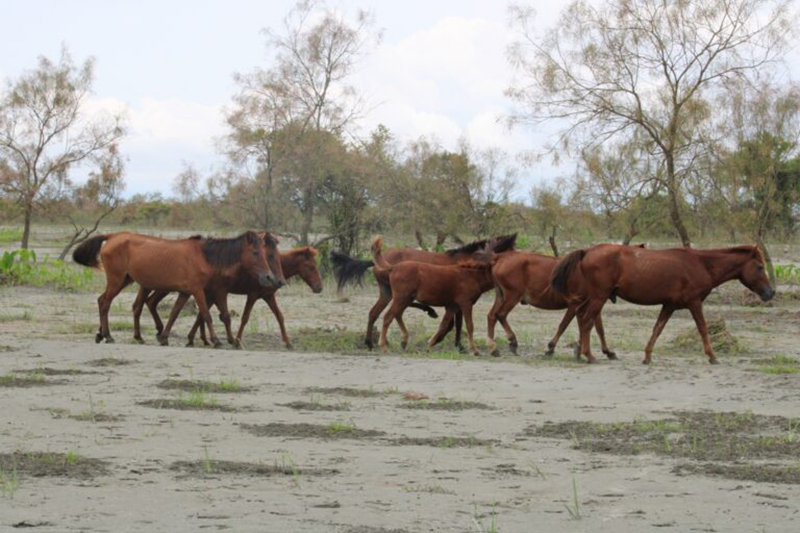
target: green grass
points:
(9, 482)
(24, 317)
(22, 267)
(779, 369)
(197, 399)
(9, 235)
(341, 427)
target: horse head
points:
(307, 268)
(753, 275)
(254, 257)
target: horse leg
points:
(163, 337)
(696, 308)
(202, 306)
(225, 315)
(663, 317)
(444, 326)
(397, 307)
(586, 323)
(403, 330)
(466, 310)
(198, 324)
(113, 288)
(273, 305)
(138, 307)
(248, 308)
(601, 333)
(458, 321)
(384, 297)
(562, 327)
(502, 314)
(491, 321)
(152, 306)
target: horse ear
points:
(311, 252)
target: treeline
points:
(679, 134)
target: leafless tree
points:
(44, 132)
(651, 67)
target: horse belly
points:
(162, 272)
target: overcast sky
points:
(440, 71)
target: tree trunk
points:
(308, 219)
(674, 205)
(26, 232)
(420, 240)
(440, 238)
(630, 234)
(552, 240)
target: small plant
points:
(574, 510)
(208, 466)
(341, 427)
(9, 482)
(779, 369)
(21, 267)
(198, 399)
(71, 458)
(229, 385)
(480, 526)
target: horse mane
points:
(470, 248)
(270, 240)
(196, 237)
(474, 264)
(226, 252)
(307, 251)
(497, 244)
(560, 275)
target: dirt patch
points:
(187, 405)
(47, 371)
(316, 406)
(110, 361)
(40, 464)
(445, 404)
(704, 435)
(30, 380)
(191, 385)
(346, 391)
(443, 442)
(787, 474)
(722, 340)
(206, 468)
(304, 431)
(87, 416)
(370, 529)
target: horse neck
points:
(289, 264)
(723, 265)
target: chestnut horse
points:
(185, 266)
(522, 277)
(298, 262)
(347, 269)
(679, 278)
(216, 291)
(454, 287)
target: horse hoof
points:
(139, 340)
(289, 346)
(237, 345)
(495, 353)
(217, 344)
(110, 340)
(513, 347)
(190, 344)
(163, 341)
(461, 349)
(646, 362)
(549, 353)
(611, 355)
(591, 361)
(476, 354)
(404, 345)
(713, 362)
(98, 338)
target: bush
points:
(20, 267)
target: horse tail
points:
(86, 253)
(377, 254)
(560, 275)
(347, 269)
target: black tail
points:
(560, 275)
(347, 269)
(86, 253)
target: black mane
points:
(498, 245)
(503, 243)
(469, 249)
(226, 252)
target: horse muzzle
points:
(267, 279)
(316, 289)
(766, 294)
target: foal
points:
(522, 277)
(454, 287)
(679, 278)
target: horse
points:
(522, 277)
(216, 292)
(298, 262)
(348, 270)
(679, 278)
(454, 287)
(185, 266)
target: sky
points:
(440, 71)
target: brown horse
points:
(347, 269)
(216, 292)
(298, 262)
(525, 277)
(679, 278)
(185, 266)
(454, 287)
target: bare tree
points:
(100, 195)
(650, 67)
(305, 91)
(43, 133)
(186, 185)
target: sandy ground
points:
(474, 469)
